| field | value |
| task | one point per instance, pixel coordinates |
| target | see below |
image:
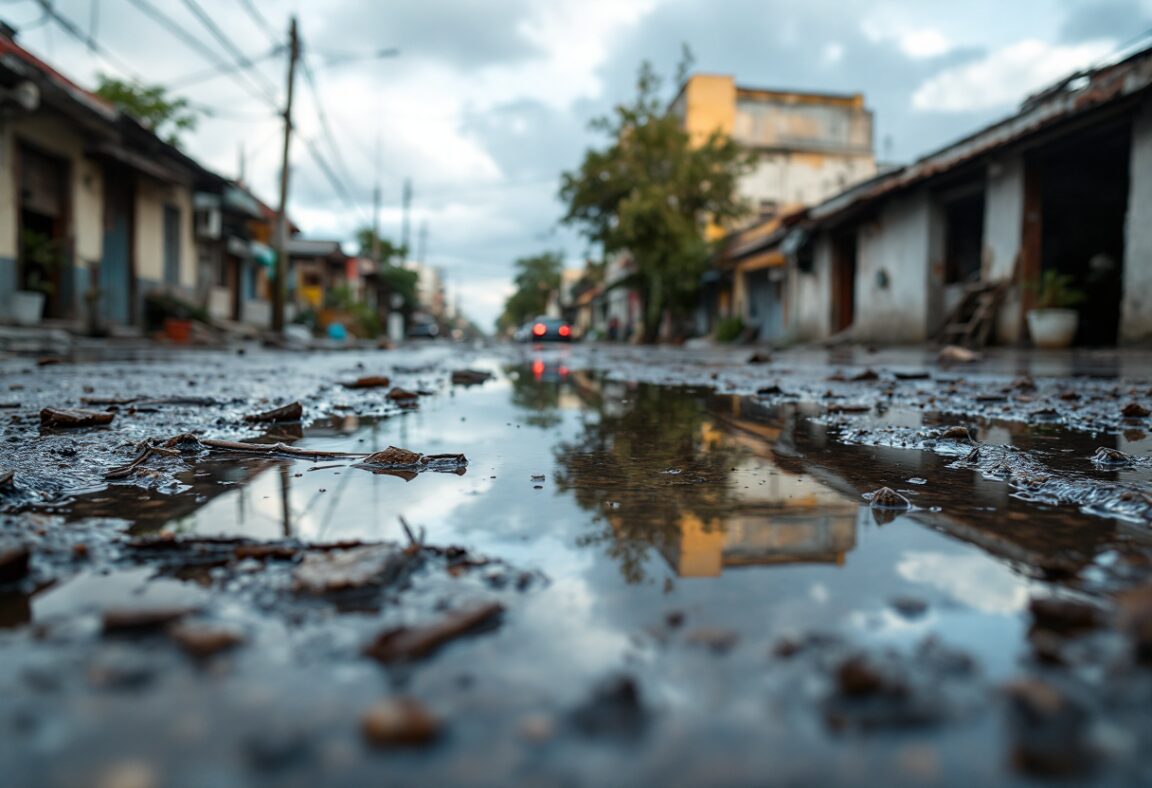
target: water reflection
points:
(662, 472)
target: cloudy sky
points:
(489, 100)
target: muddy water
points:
(684, 536)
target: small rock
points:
(887, 498)
(717, 640)
(1134, 410)
(957, 433)
(14, 560)
(857, 677)
(614, 710)
(1107, 456)
(954, 354)
(125, 620)
(202, 640)
(910, 606)
(1064, 615)
(369, 382)
(51, 417)
(1049, 730)
(760, 358)
(402, 395)
(470, 377)
(399, 722)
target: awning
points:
(143, 164)
(770, 259)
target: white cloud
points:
(1004, 76)
(972, 580)
(924, 43)
(832, 53)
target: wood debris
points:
(369, 382)
(342, 570)
(404, 644)
(399, 722)
(291, 412)
(51, 417)
(470, 377)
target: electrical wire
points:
(322, 116)
(219, 71)
(337, 185)
(222, 39)
(72, 29)
(260, 20)
(192, 42)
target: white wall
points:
(802, 178)
(1136, 310)
(1003, 226)
(896, 243)
(810, 295)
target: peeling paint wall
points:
(808, 292)
(894, 247)
(797, 179)
(1003, 225)
(1136, 309)
(151, 197)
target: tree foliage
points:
(537, 278)
(398, 280)
(166, 117)
(652, 192)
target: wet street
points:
(649, 566)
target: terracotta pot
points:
(1053, 328)
(179, 331)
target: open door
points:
(843, 281)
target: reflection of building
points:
(789, 519)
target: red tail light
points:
(565, 331)
(539, 329)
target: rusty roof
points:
(1077, 95)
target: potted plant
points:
(1052, 322)
(41, 257)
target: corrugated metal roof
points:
(1075, 96)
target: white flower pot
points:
(27, 307)
(1052, 328)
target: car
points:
(423, 330)
(545, 329)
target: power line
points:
(337, 185)
(222, 70)
(191, 41)
(226, 42)
(260, 20)
(322, 116)
(72, 29)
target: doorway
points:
(843, 280)
(117, 283)
(1083, 192)
(43, 229)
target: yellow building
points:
(810, 145)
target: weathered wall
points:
(809, 296)
(45, 131)
(1003, 224)
(1136, 310)
(895, 247)
(151, 197)
(707, 104)
(794, 178)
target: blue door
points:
(171, 245)
(116, 253)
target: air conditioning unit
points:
(208, 223)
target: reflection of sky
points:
(589, 616)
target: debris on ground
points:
(394, 458)
(398, 722)
(887, 498)
(470, 377)
(340, 570)
(403, 644)
(369, 382)
(293, 411)
(69, 419)
(398, 394)
(954, 354)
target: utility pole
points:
(278, 289)
(404, 226)
(376, 211)
(422, 244)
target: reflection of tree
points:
(642, 470)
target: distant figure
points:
(337, 332)
(613, 329)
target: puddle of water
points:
(640, 500)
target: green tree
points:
(652, 193)
(166, 117)
(537, 278)
(388, 250)
(397, 279)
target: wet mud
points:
(578, 565)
